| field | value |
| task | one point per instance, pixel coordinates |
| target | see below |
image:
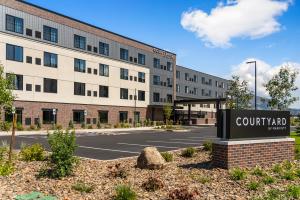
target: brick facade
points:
(34, 110)
(249, 153)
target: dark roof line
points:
(102, 29)
(202, 72)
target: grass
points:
(188, 152)
(82, 187)
(201, 178)
(293, 191)
(257, 171)
(268, 179)
(237, 174)
(253, 185)
(124, 192)
(167, 156)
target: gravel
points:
(176, 174)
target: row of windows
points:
(16, 24)
(194, 91)
(157, 81)
(157, 98)
(203, 80)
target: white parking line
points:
(192, 140)
(143, 145)
(170, 142)
(95, 148)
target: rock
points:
(150, 158)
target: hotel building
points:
(67, 70)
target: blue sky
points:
(266, 31)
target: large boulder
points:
(150, 158)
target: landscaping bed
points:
(194, 173)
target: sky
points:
(215, 37)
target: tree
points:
(167, 109)
(6, 87)
(238, 94)
(281, 87)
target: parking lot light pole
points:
(12, 139)
(255, 96)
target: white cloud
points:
(264, 73)
(235, 18)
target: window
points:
(169, 98)
(178, 74)
(156, 97)
(195, 91)
(169, 66)
(50, 34)
(29, 59)
(9, 117)
(89, 93)
(37, 88)
(14, 53)
(95, 50)
(79, 65)
(14, 24)
(78, 116)
(124, 74)
(141, 77)
(89, 70)
(50, 85)
(141, 95)
(123, 54)
(38, 34)
(48, 117)
(103, 116)
(169, 82)
(195, 78)
(123, 93)
(186, 89)
(95, 93)
(27, 121)
(28, 32)
(103, 70)
(79, 42)
(103, 91)
(141, 59)
(50, 59)
(28, 87)
(156, 63)
(104, 48)
(38, 61)
(186, 76)
(177, 88)
(79, 88)
(156, 80)
(89, 47)
(17, 81)
(123, 116)
(95, 71)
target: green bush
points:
(277, 168)
(98, 124)
(20, 127)
(257, 171)
(207, 146)
(5, 126)
(31, 127)
(3, 152)
(237, 174)
(124, 192)
(6, 168)
(167, 156)
(35, 152)
(82, 187)
(274, 194)
(71, 124)
(293, 191)
(62, 160)
(288, 165)
(288, 175)
(153, 184)
(38, 125)
(253, 185)
(268, 180)
(90, 126)
(188, 152)
(83, 125)
(297, 152)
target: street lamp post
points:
(255, 94)
(12, 140)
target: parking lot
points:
(125, 144)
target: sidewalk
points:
(78, 131)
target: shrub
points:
(288, 165)
(253, 185)
(274, 194)
(6, 168)
(297, 172)
(118, 171)
(124, 192)
(58, 127)
(82, 187)
(62, 160)
(277, 168)
(83, 125)
(183, 194)
(32, 127)
(201, 178)
(71, 124)
(288, 175)
(20, 127)
(257, 171)
(268, 180)
(167, 156)
(98, 124)
(237, 174)
(34, 152)
(117, 125)
(3, 152)
(297, 153)
(38, 125)
(5, 126)
(207, 146)
(293, 191)
(153, 184)
(188, 152)
(90, 126)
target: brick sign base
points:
(249, 153)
